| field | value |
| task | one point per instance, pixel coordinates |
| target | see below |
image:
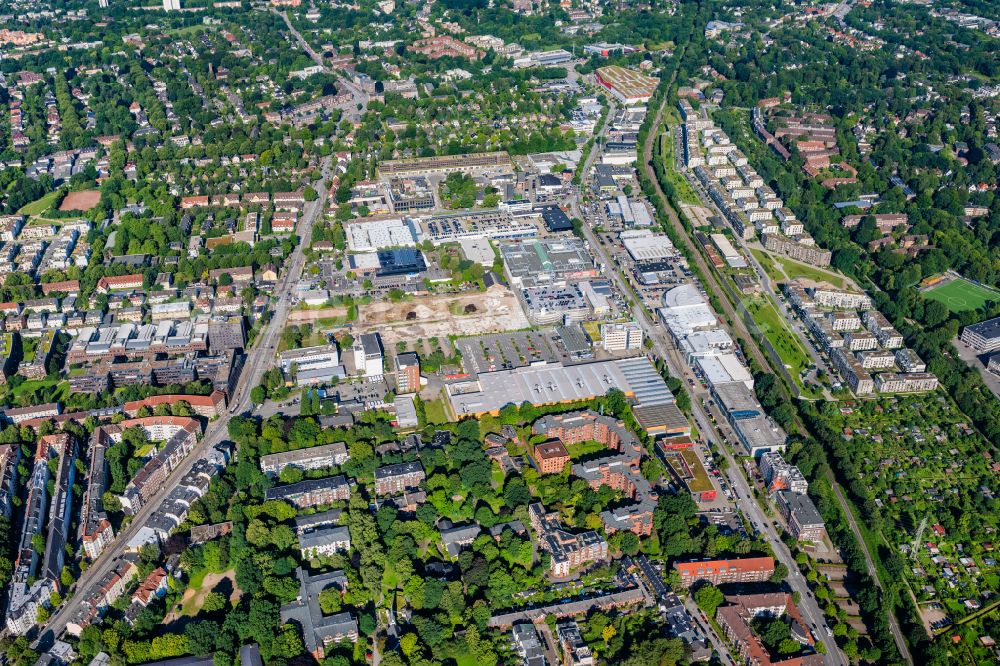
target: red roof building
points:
(720, 572)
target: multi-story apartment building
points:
(876, 359)
(809, 254)
(325, 541)
(368, 355)
(801, 515)
(317, 457)
(907, 382)
(720, 572)
(398, 478)
(550, 456)
(850, 369)
(779, 475)
(840, 299)
(844, 321)
(860, 341)
(568, 551)
(908, 361)
(407, 373)
(583, 426)
(180, 434)
(312, 492)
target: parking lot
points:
(505, 351)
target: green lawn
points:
(794, 269)
(581, 449)
(774, 327)
(31, 386)
(435, 410)
(39, 206)
(961, 295)
(700, 483)
(681, 187)
(764, 259)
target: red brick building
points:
(551, 456)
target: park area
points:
(773, 326)
(960, 294)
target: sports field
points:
(960, 295)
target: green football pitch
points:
(961, 295)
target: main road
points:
(810, 608)
(258, 358)
(665, 349)
(359, 101)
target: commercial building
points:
(621, 337)
(393, 479)
(983, 337)
(720, 572)
(312, 492)
(312, 365)
(567, 551)
(316, 457)
(628, 86)
(368, 355)
(370, 235)
(554, 383)
(319, 632)
(549, 262)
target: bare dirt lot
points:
(311, 316)
(492, 311)
(82, 200)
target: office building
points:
(621, 337)
(368, 355)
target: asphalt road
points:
(678, 368)
(257, 361)
(360, 97)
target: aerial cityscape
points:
(499, 332)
